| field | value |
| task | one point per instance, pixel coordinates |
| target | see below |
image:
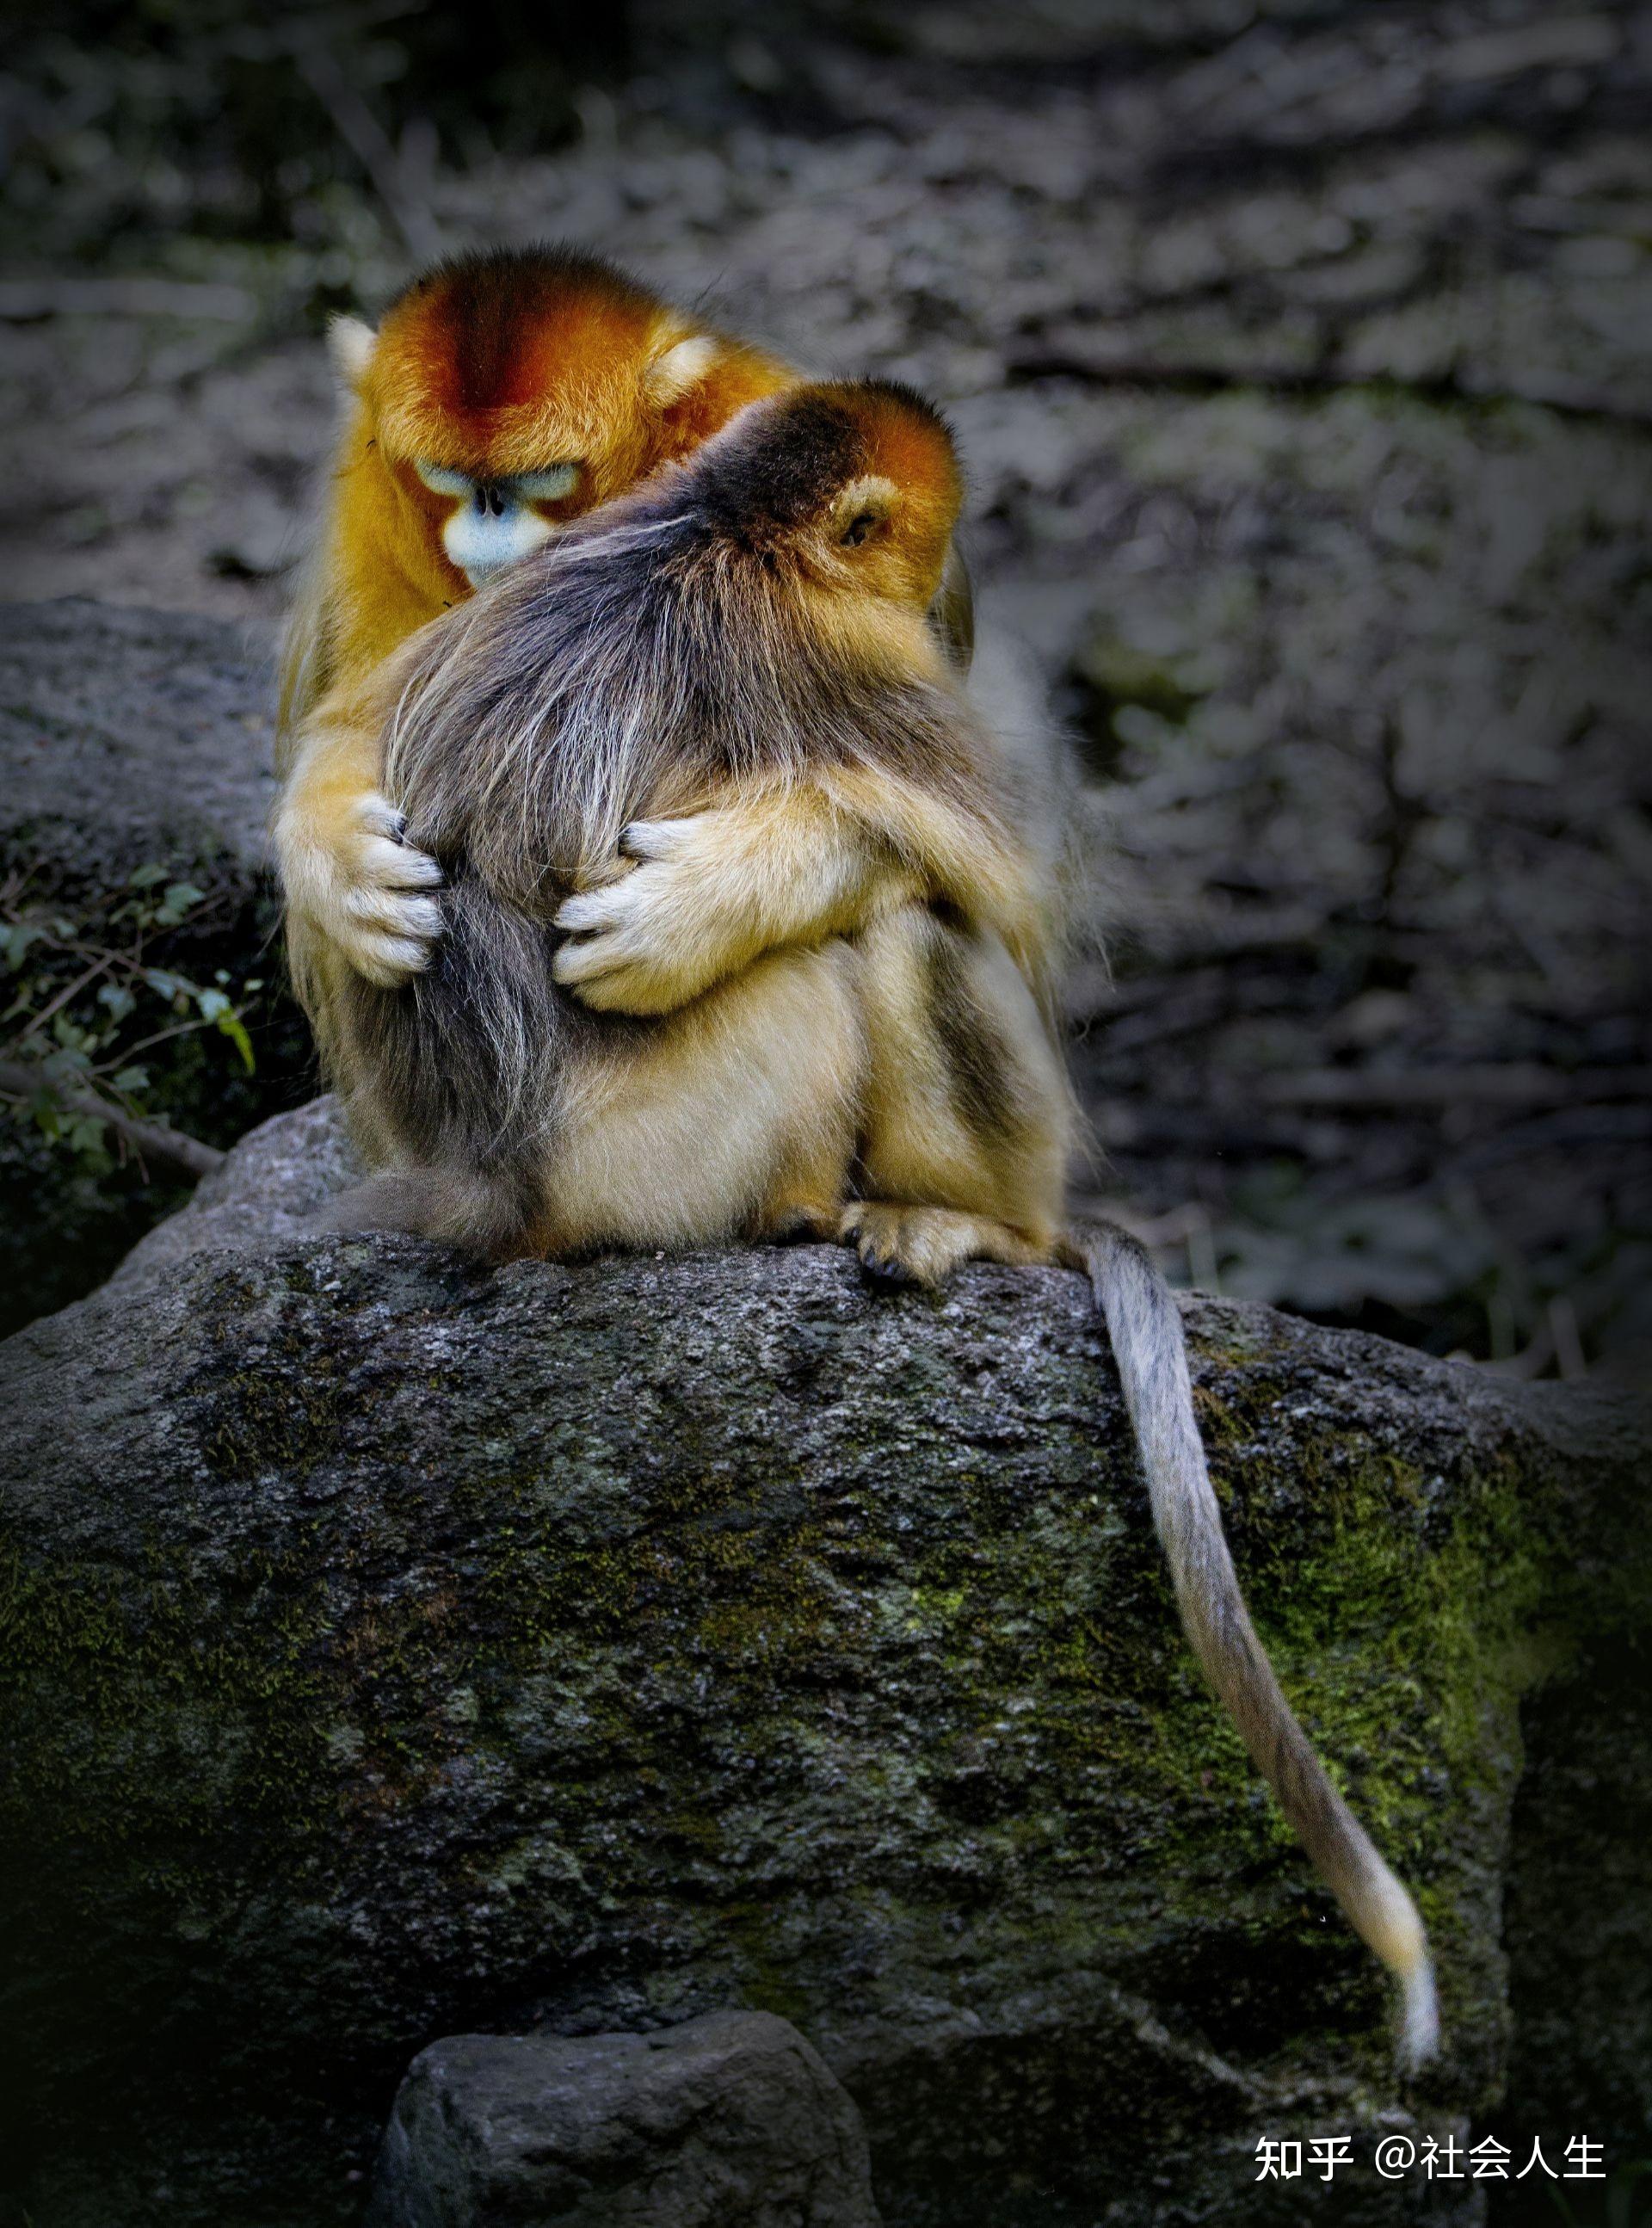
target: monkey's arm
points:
(788, 864)
(349, 877)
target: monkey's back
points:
(651, 660)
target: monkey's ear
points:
(350, 344)
(680, 366)
(861, 508)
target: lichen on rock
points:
(394, 1648)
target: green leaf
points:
(144, 878)
(179, 897)
(233, 1028)
(165, 985)
(117, 999)
(15, 940)
(130, 1079)
(213, 1004)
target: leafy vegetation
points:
(90, 1008)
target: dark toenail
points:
(884, 1271)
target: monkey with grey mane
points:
(741, 939)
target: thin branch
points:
(153, 1140)
(127, 1053)
(100, 965)
(368, 140)
(1567, 397)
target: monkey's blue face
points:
(497, 522)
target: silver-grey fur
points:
(1144, 1328)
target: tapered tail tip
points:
(1419, 2028)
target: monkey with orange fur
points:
(504, 395)
(730, 676)
(746, 700)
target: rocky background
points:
(1299, 353)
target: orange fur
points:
(493, 366)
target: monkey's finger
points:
(627, 988)
(387, 961)
(604, 909)
(398, 866)
(380, 818)
(584, 958)
(613, 869)
(411, 918)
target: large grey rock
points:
(395, 1650)
(729, 2121)
(130, 735)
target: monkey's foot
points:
(367, 893)
(925, 1244)
(797, 1222)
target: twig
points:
(160, 1036)
(1567, 397)
(368, 140)
(100, 965)
(158, 1140)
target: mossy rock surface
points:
(393, 1649)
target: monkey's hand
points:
(710, 894)
(357, 882)
(659, 934)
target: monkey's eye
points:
(549, 486)
(440, 480)
(863, 523)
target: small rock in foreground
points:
(731, 2118)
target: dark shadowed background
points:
(1299, 355)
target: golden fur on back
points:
(730, 672)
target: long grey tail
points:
(1145, 1329)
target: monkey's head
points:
(511, 391)
(843, 494)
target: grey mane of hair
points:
(638, 659)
